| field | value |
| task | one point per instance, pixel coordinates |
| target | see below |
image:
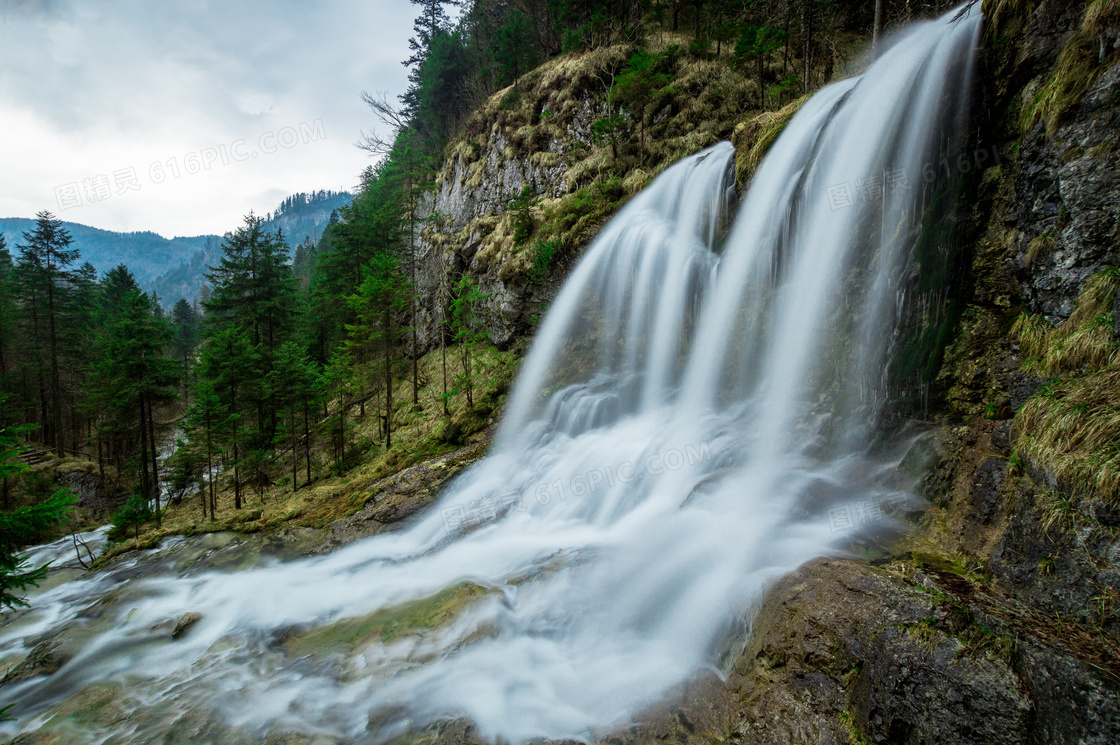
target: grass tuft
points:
(1079, 63)
(1071, 427)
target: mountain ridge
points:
(174, 268)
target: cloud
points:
(91, 89)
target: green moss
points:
(855, 732)
(1079, 63)
(923, 347)
(387, 624)
(581, 209)
(980, 641)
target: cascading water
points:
(693, 416)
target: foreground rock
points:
(903, 654)
(394, 499)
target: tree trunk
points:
(415, 312)
(145, 484)
(155, 460)
(295, 465)
(877, 30)
(307, 441)
(443, 339)
(236, 437)
(210, 467)
(807, 33)
(388, 384)
(56, 409)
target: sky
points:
(181, 116)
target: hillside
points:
(173, 268)
(146, 253)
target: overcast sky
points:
(102, 102)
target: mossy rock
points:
(387, 624)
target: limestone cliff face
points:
(470, 207)
(524, 189)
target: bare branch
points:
(389, 116)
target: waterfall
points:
(693, 421)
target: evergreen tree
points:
(464, 315)
(293, 381)
(136, 378)
(231, 363)
(45, 257)
(205, 429)
(379, 297)
(253, 291)
(9, 318)
(185, 325)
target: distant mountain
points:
(300, 217)
(147, 254)
(174, 267)
(305, 215)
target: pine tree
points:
(185, 326)
(45, 257)
(431, 22)
(464, 316)
(231, 363)
(9, 319)
(379, 297)
(135, 376)
(204, 425)
(254, 291)
(293, 381)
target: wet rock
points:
(812, 634)
(1021, 387)
(1073, 701)
(1059, 567)
(1001, 438)
(186, 621)
(1104, 513)
(35, 738)
(44, 659)
(396, 498)
(987, 483)
(916, 687)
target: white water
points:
(691, 423)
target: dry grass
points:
(1079, 63)
(755, 136)
(1072, 426)
(1041, 246)
(544, 120)
(996, 11)
(1099, 14)
(1084, 342)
